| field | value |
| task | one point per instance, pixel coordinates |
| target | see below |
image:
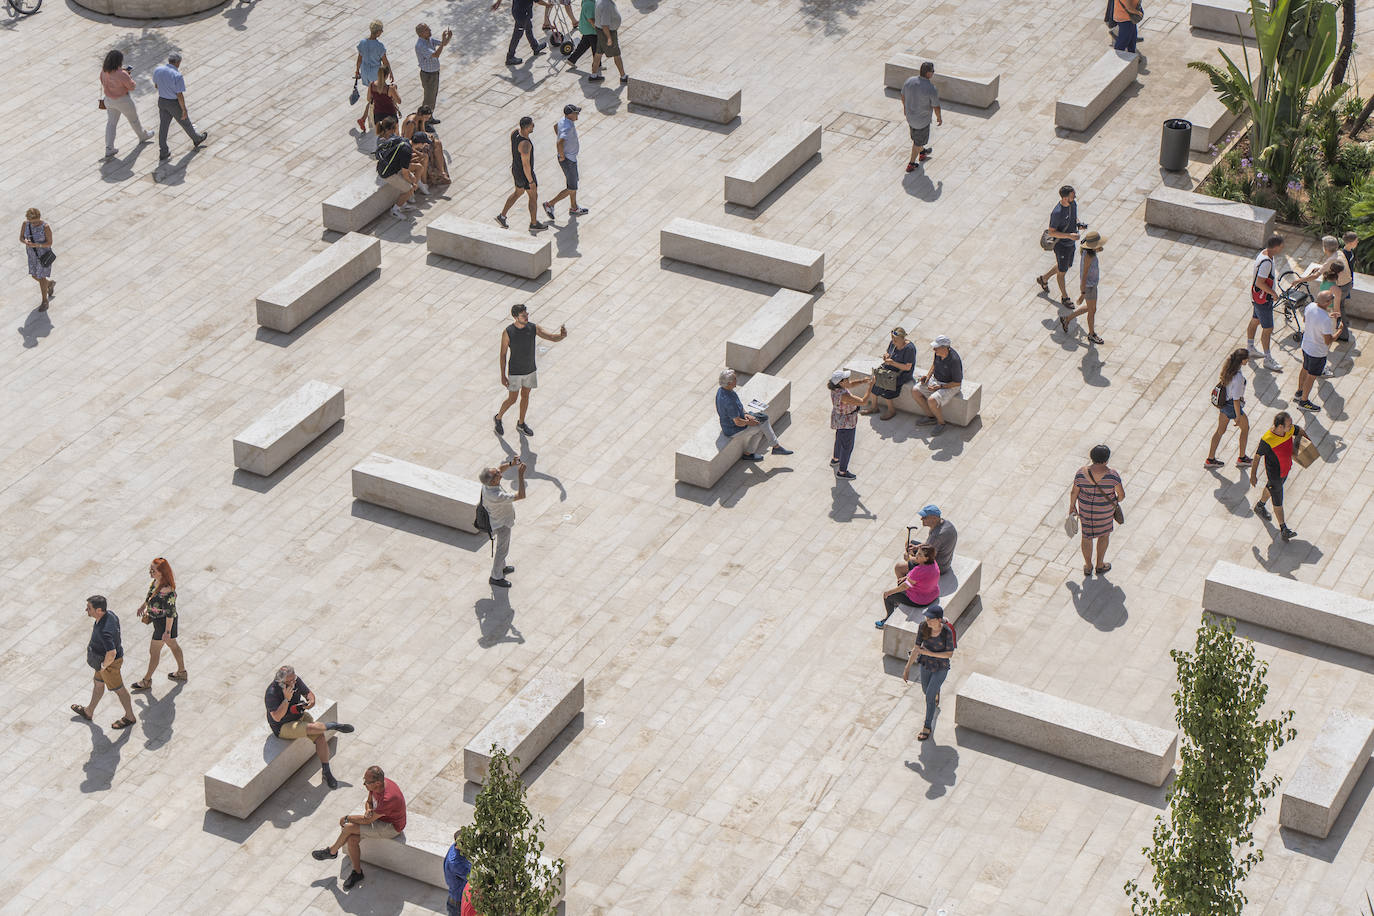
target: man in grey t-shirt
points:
(919, 99)
(941, 536)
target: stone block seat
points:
(1280, 603)
(1361, 304)
(1211, 120)
(1313, 798)
(784, 150)
(279, 434)
(961, 411)
(259, 765)
(358, 203)
(769, 331)
(741, 253)
(962, 86)
(1209, 217)
(708, 100)
(703, 459)
(488, 245)
(318, 282)
(150, 9)
(1074, 731)
(527, 724)
(1094, 89)
(1226, 17)
(958, 586)
(417, 490)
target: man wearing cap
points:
(734, 421)
(941, 536)
(568, 147)
(171, 105)
(941, 384)
(919, 99)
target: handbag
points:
(1116, 506)
(885, 377)
(1071, 525)
(1047, 241)
(355, 94)
(46, 257)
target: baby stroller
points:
(563, 33)
(1295, 295)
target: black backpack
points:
(393, 154)
(483, 523)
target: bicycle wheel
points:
(25, 7)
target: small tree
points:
(503, 844)
(1205, 848)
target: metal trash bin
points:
(1173, 144)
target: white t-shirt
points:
(1235, 389)
(1264, 267)
(500, 504)
(1316, 322)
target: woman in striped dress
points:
(1093, 499)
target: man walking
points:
(383, 817)
(568, 148)
(1276, 449)
(1063, 228)
(522, 170)
(105, 654)
(288, 702)
(456, 871)
(1317, 334)
(919, 99)
(171, 105)
(1262, 296)
(522, 11)
(500, 506)
(517, 364)
(427, 51)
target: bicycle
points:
(24, 7)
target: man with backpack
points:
(496, 515)
(1262, 296)
(393, 164)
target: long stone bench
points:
(1279, 603)
(417, 490)
(358, 203)
(259, 765)
(1361, 304)
(318, 282)
(684, 95)
(1093, 90)
(1085, 734)
(958, 586)
(527, 724)
(740, 253)
(703, 459)
(1312, 799)
(488, 245)
(977, 89)
(1209, 217)
(961, 411)
(1226, 17)
(277, 435)
(754, 177)
(760, 340)
(1211, 120)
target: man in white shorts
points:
(941, 384)
(518, 376)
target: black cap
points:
(570, 108)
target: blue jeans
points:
(844, 446)
(931, 679)
(1125, 36)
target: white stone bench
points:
(260, 765)
(1085, 734)
(1093, 90)
(1279, 603)
(1226, 17)
(527, 724)
(488, 245)
(318, 282)
(1312, 799)
(958, 586)
(740, 253)
(977, 89)
(960, 411)
(703, 459)
(1361, 304)
(1211, 120)
(1209, 217)
(786, 149)
(358, 203)
(684, 95)
(277, 435)
(417, 490)
(760, 340)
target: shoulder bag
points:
(46, 256)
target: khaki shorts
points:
(293, 730)
(516, 382)
(110, 676)
(398, 182)
(940, 396)
(378, 830)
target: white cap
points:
(941, 341)
(839, 375)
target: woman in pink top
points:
(919, 588)
(115, 85)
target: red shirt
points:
(390, 806)
(466, 903)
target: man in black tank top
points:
(518, 343)
(522, 170)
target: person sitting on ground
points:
(288, 700)
(383, 818)
(394, 156)
(734, 420)
(901, 357)
(418, 129)
(941, 536)
(920, 587)
(941, 384)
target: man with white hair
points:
(734, 420)
(171, 105)
(941, 384)
(499, 503)
(288, 700)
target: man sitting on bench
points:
(383, 817)
(287, 701)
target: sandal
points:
(176, 676)
(1064, 323)
(122, 722)
(1044, 284)
(145, 684)
(1088, 570)
(925, 733)
(1104, 569)
(1066, 302)
(81, 711)
(1095, 339)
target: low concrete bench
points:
(787, 149)
(740, 253)
(759, 341)
(960, 412)
(1209, 217)
(958, 586)
(488, 245)
(358, 203)
(977, 89)
(1361, 304)
(417, 490)
(684, 95)
(1211, 120)
(1227, 17)
(279, 434)
(703, 459)
(1085, 734)
(1312, 799)
(527, 724)
(318, 282)
(1094, 89)
(1318, 614)
(260, 765)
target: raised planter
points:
(150, 9)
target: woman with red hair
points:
(160, 609)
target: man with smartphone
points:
(427, 51)
(499, 503)
(288, 702)
(517, 363)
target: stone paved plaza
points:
(744, 746)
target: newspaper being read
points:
(756, 406)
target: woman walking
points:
(116, 82)
(901, 358)
(844, 416)
(1094, 499)
(160, 609)
(1231, 408)
(37, 238)
(1087, 286)
(371, 57)
(935, 643)
(920, 587)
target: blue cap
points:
(930, 510)
(936, 612)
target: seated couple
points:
(408, 158)
(931, 392)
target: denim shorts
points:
(1228, 410)
(1265, 314)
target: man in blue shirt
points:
(734, 420)
(171, 105)
(456, 871)
(1063, 228)
(105, 656)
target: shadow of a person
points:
(157, 716)
(104, 760)
(236, 14)
(938, 765)
(1091, 367)
(531, 458)
(496, 619)
(845, 504)
(1099, 602)
(1284, 557)
(37, 325)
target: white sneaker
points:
(148, 135)
(424, 189)
(1271, 364)
(1326, 372)
(398, 213)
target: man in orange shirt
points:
(1126, 14)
